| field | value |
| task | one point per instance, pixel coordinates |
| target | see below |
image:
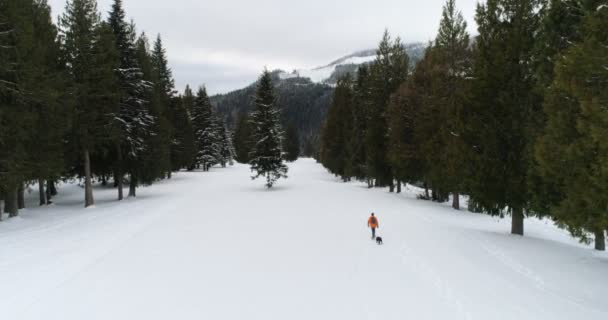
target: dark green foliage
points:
(164, 90)
(183, 150)
(132, 120)
(206, 131)
(242, 138)
(504, 107)
(334, 153)
(387, 73)
(266, 158)
(301, 102)
(32, 119)
(156, 159)
(576, 106)
(227, 152)
(357, 165)
(291, 145)
(92, 60)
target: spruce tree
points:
(164, 87)
(503, 108)
(157, 157)
(132, 119)
(454, 57)
(334, 152)
(387, 73)
(227, 152)
(206, 131)
(89, 56)
(266, 155)
(357, 165)
(575, 133)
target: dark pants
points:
(373, 233)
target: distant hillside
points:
(302, 103)
(304, 95)
(329, 74)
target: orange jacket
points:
(372, 222)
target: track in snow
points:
(219, 246)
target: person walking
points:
(372, 222)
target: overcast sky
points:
(225, 44)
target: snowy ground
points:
(219, 246)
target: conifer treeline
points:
(516, 119)
(88, 98)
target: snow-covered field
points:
(219, 246)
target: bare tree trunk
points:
(21, 196)
(2, 197)
(600, 240)
(398, 186)
(12, 202)
(49, 193)
(132, 185)
(88, 183)
(391, 186)
(119, 172)
(456, 200)
(169, 174)
(41, 191)
(517, 221)
(426, 191)
(52, 187)
(104, 180)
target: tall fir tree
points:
(337, 130)
(266, 158)
(454, 70)
(91, 59)
(387, 73)
(357, 164)
(227, 152)
(575, 106)
(503, 109)
(206, 131)
(164, 87)
(156, 159)
(132, 119)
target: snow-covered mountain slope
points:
(330, 73)
(219, 246)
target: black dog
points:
(379, 240)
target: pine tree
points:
(90, 57)
(156, 159)
(47, 91)
(266, 155)
(242, 138)
(337, 130)
(454, 57)
(164, 87)
(504, 104)
(16, 36)
(387, 73)
(575, 131)
(206, 131)
(357, 165)
(227, 152)
(132, 119)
